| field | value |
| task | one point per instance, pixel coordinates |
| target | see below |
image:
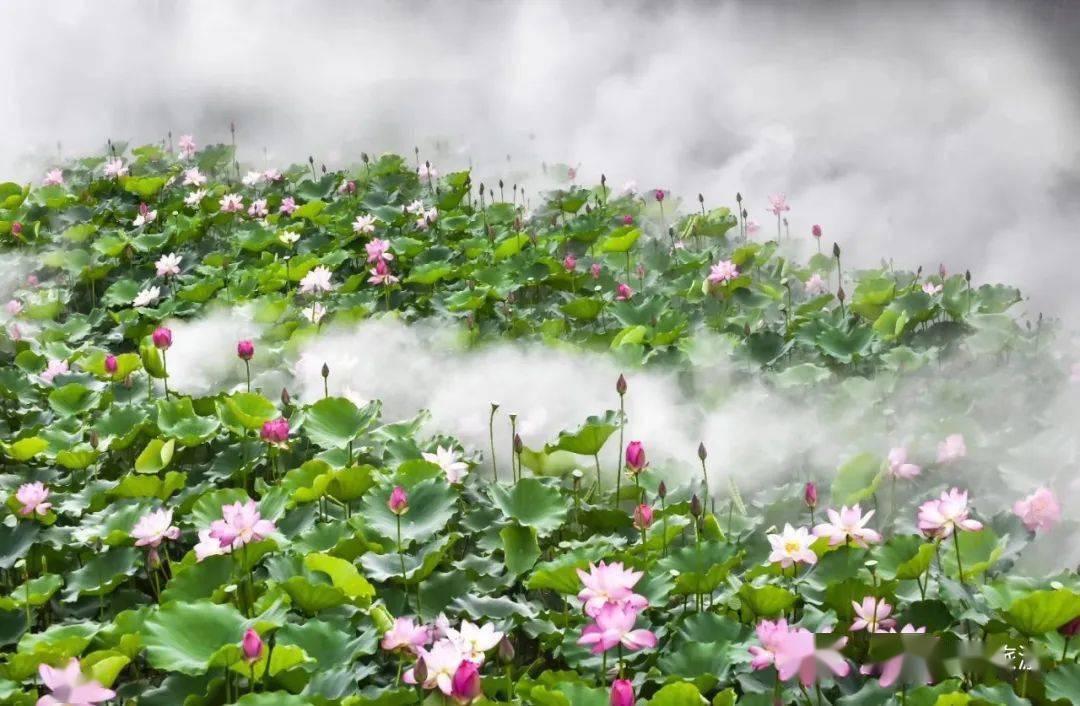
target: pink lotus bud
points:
(661, 490)
(623, 292)
(143, 210)
(659, 194)
(628, 220)
(635, 457)
(1071, 628)
(32, 280)
(245, 350)
(695, 506)
(595, 270)
(275, 432)
(622, 693)
(16, 227)
(569, 262)
(399, 501)
(620, 385)
(942, 272)
(815, 231)
(110, 364)
(162, 338)
(643, 517)
(641, 271)
(350, 187)
(252, 645)
(465, 686)
(810, 495)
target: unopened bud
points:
(518, 445)
(836, 249)
(94, 439)
(506, 650)
(810, 496)
(620, 385)
(285, 399)
(967, 276)
(840, 294)
(695, 506)
(661, 490)
(701, 452)
(325, 370)
(738, 197)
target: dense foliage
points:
(252, 547)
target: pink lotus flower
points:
(792, 546)
(799, 654)
(380, 274)
(628, 220)
(154, 528)
(316, 280)
(245, 350)
(168, 265)
(33, 497)
(209, 546)
(53, 177)
(399, 501)
(16, 229)
(872, 615)
(931, 288)
(951, 449)
(848, 526)
(427, 218)
(405, 635)
(288, 205)
(448, 460)
(623, 292)
(195, 198)
(778, 204)
(890, 669)
(622, 693)
(378, 250)
(53, 369)
(70, 688)
(815, 231)
(643, 517)
(614, 625)
(231, 203)
(659, 194)
(816, 285)
(241, 524)
(465, 686)
(252, 646)
(111, 364)
(276, 432)
(187, 146)
(940, 517)
(251, 178)
(810, 496)
(752, 226)
(474, 641)
(314, 313)
(145, 216)
(723, 271)
(115, 168)
(441, 663)
(364, 224)
(569, 263)
(258, 209)
(193, 177)
(426, 171)
(1038, 511)
(272, 175)
(162, 338)
(899, 466)
(771, 635)
(635, 457)
(594, 270)
(609, 584)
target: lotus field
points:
(266, 547)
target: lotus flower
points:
(848, 526)
(628, 220)
(799, 655)
(146, 297)
(272, 175)
(1038, 511)
(441, 663)
(193, 177)
(465, 686)
(940, 517)
(723, 271)
(276, 432)
(168, 265)
(643, 517)
(899, 466)
(623, 292)
(752, 226)
(115, 168)
(314, 313)
(288, 205)
(378, 250)
(162, 338)
(380, 274)
(14, 307)
(54, 368)
(399, 501)
(810, 496)
(951, 449)
(622, 693)
(241, 524)
(815, 231)
(258, 209)
(405, 635)
(187, 146)
(209, 546)
(288, 237)
(33, 497)
(594, 270)
(659, 194)
(252, 646)
(569, 263)
(145, 216)
(474, 640)
(111, 364)
(316, 280)
(609, 584)
(635, 457)
(614, 625)
(231, 203)
(771, 636)
(251, 178)
(426, 171)
(364, 224)
(816, 285)
(446, 459)
(70, 688)
(792, 546)
(931, 288)
(872, 615)
(53, 177)
(154, 528)
(778, 204)
(245, 350)
(195, 197)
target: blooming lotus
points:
(276, 432)
(792, 546)
(231, 203)
(474, 640)
(251, 178)
(942, 516)
(798, 654)
(288, 205)
(241, 524)
(364, 224)
(154, 528)
(187, 146)
(33, 498)
(778, 204)
(614, 625)
(416, 206)
(1038, 511)
(70, 688)
(314, 313)
(54, 368)
(316, 280)
(289, 237)
(609, 584)
(623, 292)
(195, 198)
(14, 307)
(899, 466)
(115, 168)
(378, 250)
(209, 546)
(53, 177)
(406, 635)
(816, 285)
(193, 177)
(272, 175)
(441, 662)
(145, 216)
(258, 209)
(723, 271)
(872, 615)
(951, 449)
(931, 288)
(380, 274)
(752, 226)
(848, 526)
(446, 459)
(168, 265)
(146, 297)
(771, 636)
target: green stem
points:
(165, 372)
(596, 458)
(956, 542)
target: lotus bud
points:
(643, 517)
(569, 262)
(628, 220)
(815, 231)
(1071, 628)
(506, 651)
(162, 338)
(942, 272)
(836, 249)
(738, 197)
(967, 276)
(603, 180)
(252, 646)
(325, 371)
(364, 157)
(635, 457)
(622, 693)
(810, 496)
(695, 506)
(285, 399)
(702, 454)
(399, 502)
(111, 365)
(518, 445)
(659, 194)
(701, 199)
(840, 294)
(275, 432)
(620, 385)
(94, 439)
(661, 490)
(465, 686)
(245, 350)
(420, 671)
(16, 227)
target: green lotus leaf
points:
(155, 456)
(333, 422)
(431, 505)
(533, 503)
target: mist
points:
(923, 133)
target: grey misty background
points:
(920, 132)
